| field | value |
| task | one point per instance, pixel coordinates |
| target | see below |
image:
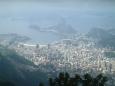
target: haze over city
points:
(18, 16)
(57, 42)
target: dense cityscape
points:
(75, 56)
(57, 43)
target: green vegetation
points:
(64, 79)
(4, 83)
(17, 70)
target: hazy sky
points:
(17, 16)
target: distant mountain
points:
(99, 33)
(12, 39)
(103, 37)
(17, 70)
(63, 28)
(112, 31)
(60, 28)
(35, 27)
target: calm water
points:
(81, 23)
(17, 18)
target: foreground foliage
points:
(64, 79)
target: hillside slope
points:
(17, 70)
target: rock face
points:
(17, 70)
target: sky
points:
(17, 16)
